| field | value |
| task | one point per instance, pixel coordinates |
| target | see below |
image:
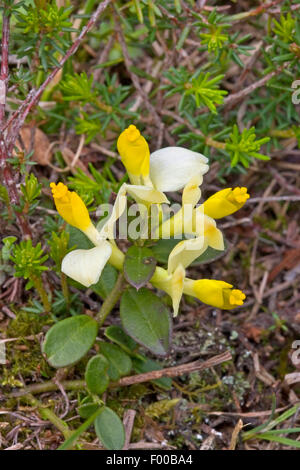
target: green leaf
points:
(274, 432)
(281, 440)
(118, 336)
(119, 362)
(76, 434)
(182, 38)
(78, 238)
(139, 266)
(210, 255)
(146, 319)
(69, 340)
(106, 282)
(148, 365)
(4, 194)
(109, 429)
(96, 375)
(138, 9)
(162, 249)
(87, 409)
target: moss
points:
(26, 324)
(24, 357)
(135, 392)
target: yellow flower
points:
(236, 297)
(218, 294)
(70, 206)
(166, 169)
(134, 152)
(72, 209)
(85, 266)
(225, 202)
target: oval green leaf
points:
(96, 374)
(117, 335)
(69, 340)
(87, 410)
(146, 319)
(119, 362)
(109, 429)
(87, 407)
(139, 266)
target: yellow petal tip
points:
(236, 297)
(58, 190)
(132, 133)
(134, 152)
(239, 195)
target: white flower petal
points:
(146, 194)
(185, 252)
(212, 234)
(177, 288)
(171, 168)
(85, 266)
(107, 231)
(172, 284)
(191, 192)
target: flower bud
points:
(225, 202)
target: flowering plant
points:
(151, 175)
(192, 76)
(145, 319)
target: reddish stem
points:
(4, 65)
(10, 184)
(4, 165)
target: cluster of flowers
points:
(151, 175)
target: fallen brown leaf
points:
(290, 260)
(252, 332)
(42, 153)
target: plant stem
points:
(214, 143)
(111, 300)
(4, 64)
(50, 386)
(48, 414)
(10, 184)
(65, 288)
(43, 294)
